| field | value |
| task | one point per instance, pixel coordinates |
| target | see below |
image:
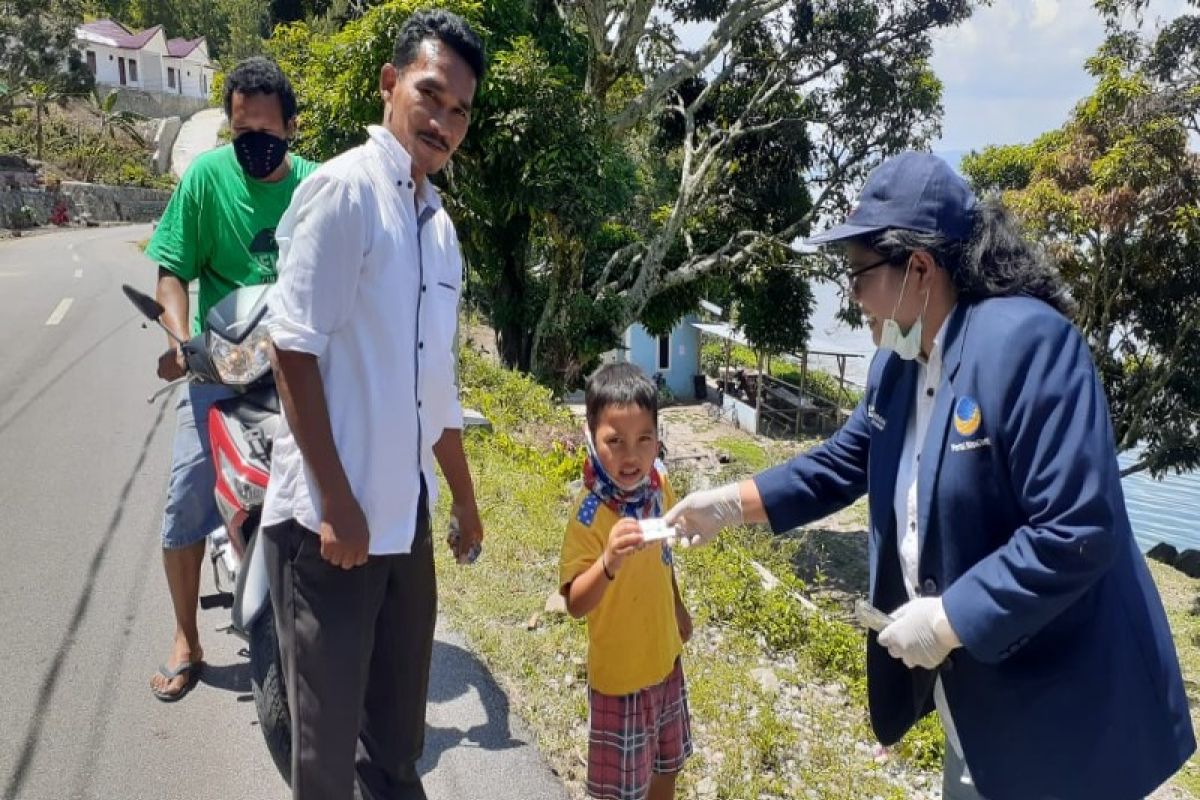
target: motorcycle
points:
(234, 351)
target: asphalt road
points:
(84, 614)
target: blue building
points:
(675, 356)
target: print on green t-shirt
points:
(219, 227)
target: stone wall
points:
(117, 203)
(84, 202)
(155, 104)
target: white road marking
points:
(75, 257)
(11, 274)
(78, 273)
(60, 311)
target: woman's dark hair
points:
(997, 261)
(260, 75)
(619, 385)
(449, 29)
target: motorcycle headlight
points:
(243, 363)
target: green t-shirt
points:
(219, 227)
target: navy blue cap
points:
(914, 192)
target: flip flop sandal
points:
(193, 674)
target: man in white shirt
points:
(363, 323)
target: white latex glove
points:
(702, 515)
(921, 635)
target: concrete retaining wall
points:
(154, 104)
(164, 140)
(84, 201)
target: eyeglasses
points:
(856, 275)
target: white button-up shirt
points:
(929, 383)
(369, 281)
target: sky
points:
(1015, 70)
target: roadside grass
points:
(1181, 598)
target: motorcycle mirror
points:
(149, 307)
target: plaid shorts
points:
(634, 736)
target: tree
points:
(111, 124)
(1115, 194)
(534, 187)
(248, 22)
(814, 92)
(739, 144)
(774, 303)
(39, 65)
(112, 121)
(40, 94)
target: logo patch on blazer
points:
(967, 416)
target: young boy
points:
(640, 731)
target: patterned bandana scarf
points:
(641, 502)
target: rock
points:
(1163, 552)
(707, 787)
(767, 679)
(1189, 563)
(475, 419)
(533, 621)
(14, 162)
(556, 603)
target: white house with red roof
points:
(146, 60)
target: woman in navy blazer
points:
(999, 541)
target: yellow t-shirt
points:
(633, 638)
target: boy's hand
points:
(624, 538)
(684, 620)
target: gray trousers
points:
(356, 646)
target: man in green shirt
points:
(219, 230)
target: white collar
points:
(935, 351)
(399, 163)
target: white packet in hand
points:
(656, 529)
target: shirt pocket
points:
(442, 319)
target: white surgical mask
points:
(907, 344)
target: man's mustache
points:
(436, 138)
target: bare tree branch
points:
(616, 258)
(744, 245)
(624, 49)
(1140, 466)
(741, 14)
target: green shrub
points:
(82, 152)
(527, 426)
(748, 456)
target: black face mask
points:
(260, 153)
